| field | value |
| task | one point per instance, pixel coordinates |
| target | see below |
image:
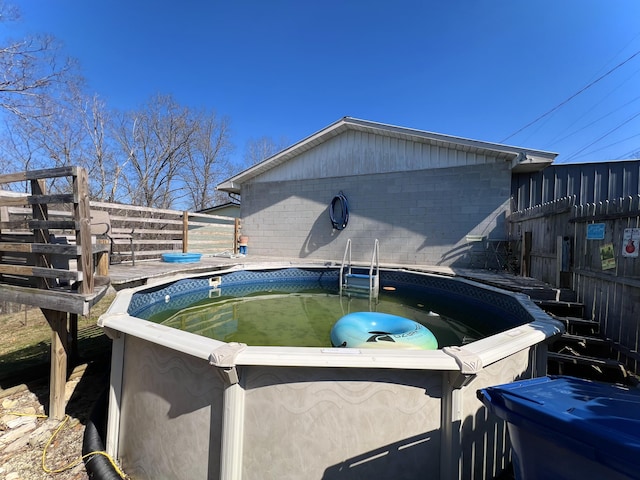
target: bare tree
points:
(35, 89)
(156, 150)
(207, 160)
(103, 167)
(259, 149)
(19, 150)
(30, 68)
(156, 156)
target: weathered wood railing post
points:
(40, 213)
(82, 217)
(185, 231)
(102, 261)
(236, 235)
(525, 261)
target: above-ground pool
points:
(184, 404)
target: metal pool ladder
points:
(357, 280)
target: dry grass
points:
(25, 338)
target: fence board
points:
(611, 295)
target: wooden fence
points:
(593, 249)
(156, 231)
(147, 232)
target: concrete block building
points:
(423, 195)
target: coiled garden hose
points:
(339, 205)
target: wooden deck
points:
(149, 272)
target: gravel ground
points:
(30, 448)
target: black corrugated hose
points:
(341, 201)
(98, 466)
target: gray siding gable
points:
(353, 146)
(360, 153)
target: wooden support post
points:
(236, 235)
(525, 263)
(185, 231)
(82, 215)
(73, 337)
(558, 259)
(58, 380)
(102, 264)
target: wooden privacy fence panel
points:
(604, 269)
(211, 234)
(153, 231)
(616, 217)
(587, 182)
(540, 229)
(606, 276)
(156, 231)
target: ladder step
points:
(360, 282)
(357, 293)
(351, 286)
(357, 275)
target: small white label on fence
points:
(630, 240)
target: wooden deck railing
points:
(153, 231)
(39, 268)
(49, 255)
(48, 249)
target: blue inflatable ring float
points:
(381, 330)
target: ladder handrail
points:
(374, 268)
(344, 259)
(375, 260)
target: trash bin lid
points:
(602, 415)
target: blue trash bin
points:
(569, 428)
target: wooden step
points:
(561, 308)
(549, 294)
(584, 345)
(578, 325)
(591, 368)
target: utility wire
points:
(604, 147)
(573, 155)
(556, 139)
(630, 154)
(594, 121)
(572, 96)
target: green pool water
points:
(303, 319)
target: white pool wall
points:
(185, 406)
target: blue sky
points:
(286, 69)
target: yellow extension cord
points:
(74, 463)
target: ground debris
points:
(25, 431)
